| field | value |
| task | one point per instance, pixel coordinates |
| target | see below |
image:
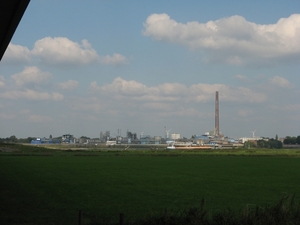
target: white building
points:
(244, 139)
(175, 136)
(110, 143)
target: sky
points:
(82, 67)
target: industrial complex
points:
(213, 139)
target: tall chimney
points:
(217, 131)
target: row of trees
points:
(14, 139)
(292, 140)
(271, 143)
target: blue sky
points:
(82, 67)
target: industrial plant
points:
(209, 140)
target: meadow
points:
(42, 186)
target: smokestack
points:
(217, 131)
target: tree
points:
(271, 143)
(13, 139)
(84, 137)
(298, 140)
(29, 139)
(249, 144)
(262, 144)
(289, 140)
(274, 143)
(50, 137)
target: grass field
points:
(40, 186)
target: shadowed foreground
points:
(286, 211)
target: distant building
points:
(175, 136)
(44, 140)
(68, 138)
(36, 141)
(145, 140)
(157, 140)
(111, 143)
(202, 139)
(253, 139)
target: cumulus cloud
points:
(116, 59)
(61, 50)
(280, 82)
(231, 40)
(32, 95)
(16, 54)
(124, 87)
(175, 92)
(68, 85)
(31, 75)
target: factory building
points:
(253, 139)
(175, 136)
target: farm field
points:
(49, 187)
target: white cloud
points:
(292, 107)
(68, 85)
(39, 119)
(232, 40)
(32, 95)
(185, 112)
(86, 105)
(2, 81)
(16, 54)
(94, 86)
(286, 107)
(62, 51)
(158, 106)
(116, 59)
(56, 96)
(242, 78)
(29, 75)
(7, 116)
(280, 82)
(24, 111)
(121, 89)
(244, 112)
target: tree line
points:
(14, 139)
(292, 140)
(273, 143)
(263, 143)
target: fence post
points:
(121, 218)
(79, 217)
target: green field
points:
(49, 187)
